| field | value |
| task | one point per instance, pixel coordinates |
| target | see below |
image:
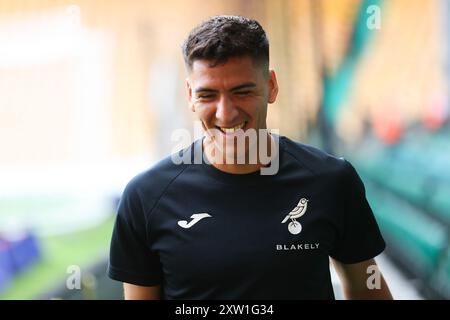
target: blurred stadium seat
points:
(408, 186)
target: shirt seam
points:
(121, 273)
(300, 162)
(148, 212)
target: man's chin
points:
(234, 154)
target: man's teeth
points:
(233, 129)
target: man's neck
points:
(235, 168)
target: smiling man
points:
(226, 230)
(229, 85)
(230, 100)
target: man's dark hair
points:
(222, 37)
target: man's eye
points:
(243, 93)
(206, 96)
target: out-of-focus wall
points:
(104, 80)
(401, 76)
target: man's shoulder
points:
(317, 161)
(153, 181)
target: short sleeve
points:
(131, 259)
(360, 237)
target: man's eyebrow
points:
(246, 85)
(202, 89)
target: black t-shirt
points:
(202, 233)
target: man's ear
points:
(189, 95)
(273, 87)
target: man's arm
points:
(134, 292)
(354, 279)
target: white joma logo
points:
(195, 218)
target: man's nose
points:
(226, 110)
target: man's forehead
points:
(203, 65)
(233, 72)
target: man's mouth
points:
(231, 130)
